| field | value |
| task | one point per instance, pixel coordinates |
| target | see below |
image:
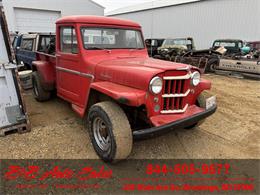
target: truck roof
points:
(96, 20)
(228, 40)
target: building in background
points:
(40, 16)
(204, 20)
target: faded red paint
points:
(119, 73)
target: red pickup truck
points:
(101, 66)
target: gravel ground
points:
(232, 132)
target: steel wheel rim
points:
(101, 134)
(213, 67)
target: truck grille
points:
(175, 91)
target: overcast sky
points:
(115, 4)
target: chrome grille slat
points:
(174, 94)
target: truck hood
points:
(134, 72)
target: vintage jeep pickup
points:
(102, 68)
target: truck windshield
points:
(111, 38)
(177, 42)
(228, 44)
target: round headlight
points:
(195, 78)
(156, 85)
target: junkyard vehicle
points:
(30, 43)
(233, 46)
(172, 48)
(152, 46)
(13, 115)
(112, 83)
(206, 60)
(239, 66)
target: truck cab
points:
(233, 46)
(102, 68)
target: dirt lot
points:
(232, 132)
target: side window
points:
(44, 43)
(68, 39)
(27, 44)
(133, 39)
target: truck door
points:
(67, 68)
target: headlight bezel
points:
(195, 78)
(152, 85)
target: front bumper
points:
(179, 124)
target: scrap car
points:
(172, 48)
(112, 84)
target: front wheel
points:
(212, 66)
(201, 102)
(109, 131)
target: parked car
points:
(172, 48)
(29, 44)
(152, 45)
(111, 82)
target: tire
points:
(109, 119)
(212, 65)
(39, 93)
(201, 102)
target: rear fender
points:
(122, 94)
(46, 73)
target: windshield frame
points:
(111, 27)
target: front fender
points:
(204, 85)
(122, 94)
(46, 73)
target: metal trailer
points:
(13, 115)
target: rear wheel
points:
(109, 131)
(38, 91)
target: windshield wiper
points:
(99, 48)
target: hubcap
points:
(101, 134)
